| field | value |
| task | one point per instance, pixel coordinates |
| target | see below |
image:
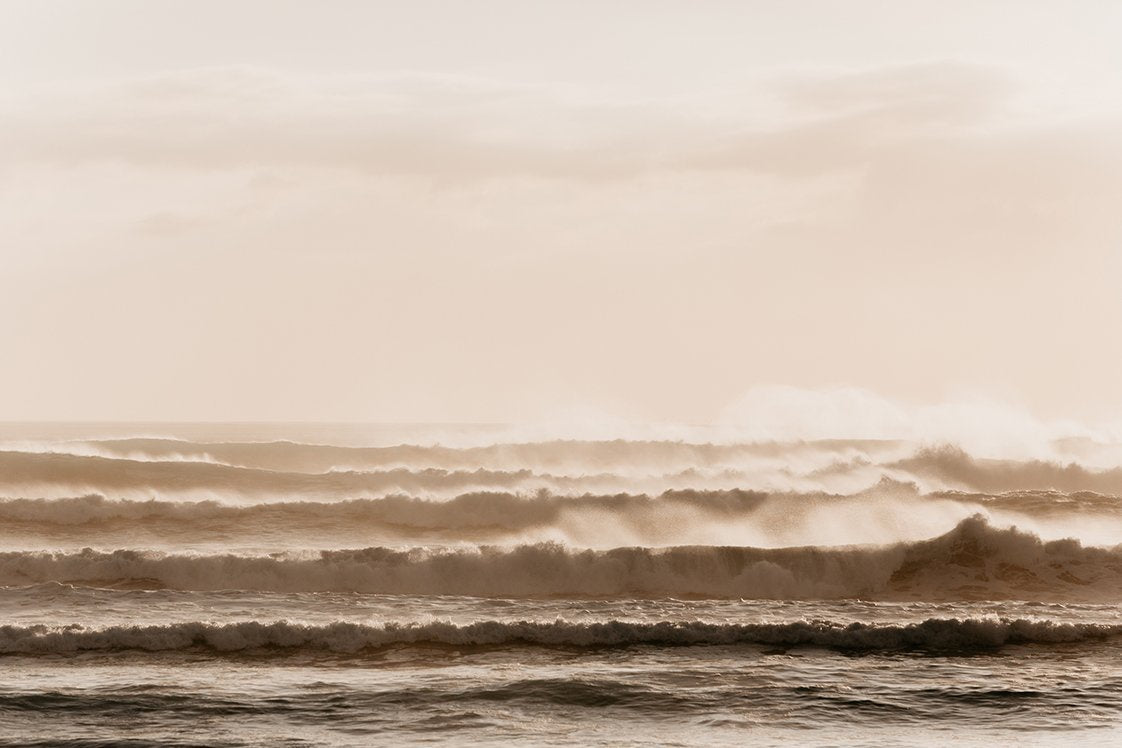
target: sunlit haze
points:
(503, 211)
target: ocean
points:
(308, 585)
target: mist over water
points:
(530, 577)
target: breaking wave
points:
(934, 634)
(886, 513)
(973, 561)
(465, 511)
(283, 469)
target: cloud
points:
(902, 228)
(929, 94)
(389, 125)
(459, 127)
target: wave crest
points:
(937, 634)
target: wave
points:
(889, 512)
(289, 468)
(41, 471)
(553, 456)
(954, 467)
(475, 510)
(1037, 502)
(934, 634)
(28, 469)
(37, 471)
(974, 561)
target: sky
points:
(497, 211)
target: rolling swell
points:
(973, 561)
(934, 634)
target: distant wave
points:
(109, 474)
(38, 470)
(283, 469)
(35, 471)
(562, 456)
(973, 561)
(935, 634)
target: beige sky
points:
(490, 211)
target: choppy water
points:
(239, 585)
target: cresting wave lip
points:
(933, 634)
(973, 561)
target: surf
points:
(971, 562)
